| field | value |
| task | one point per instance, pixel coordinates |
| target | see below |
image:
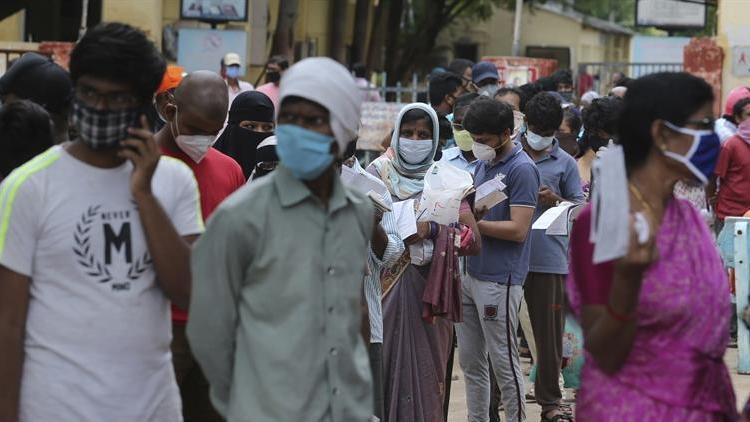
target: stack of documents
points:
(361, 183)
(370, 186)
(406, 219)
(556, 220)
(490, 193)
(377, 200)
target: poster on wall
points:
(377, 123)
(741, 61)
(203, 49)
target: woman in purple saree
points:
(655, 322)
(421, 299)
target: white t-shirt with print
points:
(98, 329)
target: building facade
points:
(548, 30)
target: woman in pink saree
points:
(655, 321)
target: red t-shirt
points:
(218, 176)
(733, 170)
(593, 281)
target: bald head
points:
(203, 93)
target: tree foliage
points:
(413, 27)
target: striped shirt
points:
(393, 251)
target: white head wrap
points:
(328, 83)
(589, 97)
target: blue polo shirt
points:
(505, 261)
(559, 172)
(454, 157)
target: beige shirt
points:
(276, 304)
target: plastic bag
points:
(444, 188)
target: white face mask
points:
(414, 151)
(537, 142)
(195, 146)
(483, 152)
(489, 90)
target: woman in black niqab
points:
(251, 120)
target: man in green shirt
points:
(276, 303)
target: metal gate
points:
(601, 73)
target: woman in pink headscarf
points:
(726, 126)
(655, 321)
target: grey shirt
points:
(559, 172)
(276, 305)
(505, 261)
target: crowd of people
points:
(182, 246)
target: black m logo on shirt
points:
(117, 241)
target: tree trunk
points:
(377, 37)
(283, 37)
(393, 31)
(337, 44)
(361, 15)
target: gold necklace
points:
(639, 196)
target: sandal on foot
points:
(556, 415)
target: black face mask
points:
(273, 77)
(567, 96)
(241, 144)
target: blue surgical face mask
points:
(306, 153)
(703, 154)
(233, 72)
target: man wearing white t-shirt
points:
(94, 243)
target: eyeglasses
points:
(268, 165)
(707, 122)
(304, 121)
(113, 100)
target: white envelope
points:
(610, 205)
(406, 220)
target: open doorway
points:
(466, 50)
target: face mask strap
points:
(696, 134)
(176, 126)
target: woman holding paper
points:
(422, 291)
(654, 319)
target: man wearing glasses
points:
(463, 68)
(461, 156)
(94, 244)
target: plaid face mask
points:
(102, 129)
